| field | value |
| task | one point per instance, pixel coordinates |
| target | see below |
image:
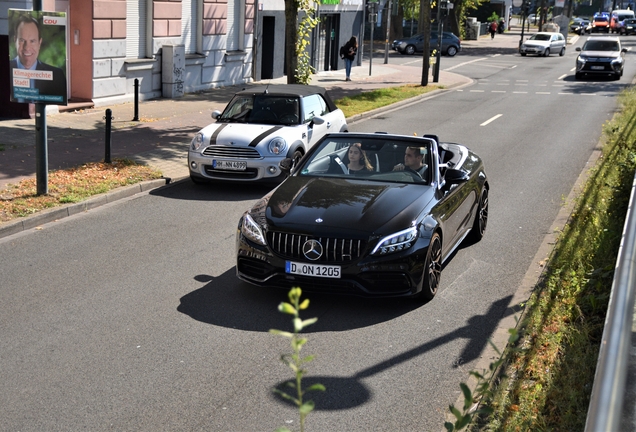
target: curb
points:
(52, 215)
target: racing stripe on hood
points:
(259, 138)
(216, 133)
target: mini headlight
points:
(251, 230)
(277, 146)
(396, 242)
(197, 141)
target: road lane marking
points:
(562, 76)
(465, 63)
(491, 120)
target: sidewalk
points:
(166, 126)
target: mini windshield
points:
(373, 159)
(262, 109)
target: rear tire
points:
(562, 53)
(432, 269)
(481, 218)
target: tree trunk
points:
(425, 25)
(291, 36)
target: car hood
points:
(241, 134)
(603, 54)
(342, 207)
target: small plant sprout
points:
(294, 361)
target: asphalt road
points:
(129, 317)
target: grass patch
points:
(70, 186)
(550, 372)
(370, 100)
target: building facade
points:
(171, 47)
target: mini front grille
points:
(333, 249)
(250, 173)
(231, 152)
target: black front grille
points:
(249, 173)
(290, 246)
(231, 152)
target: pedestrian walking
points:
(348, 52)
(493, 29)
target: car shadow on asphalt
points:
(185, 189)
(228, 302)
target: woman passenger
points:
(357, 160)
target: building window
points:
(236, 25)
(136, 28)
(190, 27)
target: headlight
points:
(197, 141)
(617, 60)
(396, 242)
(277, 146)
(581, 59)
(252, 231)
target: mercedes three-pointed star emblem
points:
(312, 249)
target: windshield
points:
(541, 37)
(387, 159)
(262, 109)
(601, 45)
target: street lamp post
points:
(524, 7)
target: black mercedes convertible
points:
(365, 214)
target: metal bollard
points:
(108, 117)
(136, 117)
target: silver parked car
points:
(544, 44)
(261, 126)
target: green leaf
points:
(304, 305)
(282, 333)
(307, 407)
(309, 322)
(285, 307)
(298, 324)
(449, 426)
(316, 386)
(468, 397)
(455, 412)
(308, 358)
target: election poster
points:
(37, 56)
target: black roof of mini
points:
(299, 90)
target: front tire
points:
(432, 269)
(451, 51)
(410, 50)
(546, 53)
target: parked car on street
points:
(533, 18)
(258, 128)
(601, 56)
(629, 27)
(544, 44)
(382, 231)
(581, 26)
(451, 44)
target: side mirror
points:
(318, 120)
(216, 114)
(578, 49)
(454, 176)
(286, 165)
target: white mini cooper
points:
(261, 126)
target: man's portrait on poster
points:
(33, 80)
